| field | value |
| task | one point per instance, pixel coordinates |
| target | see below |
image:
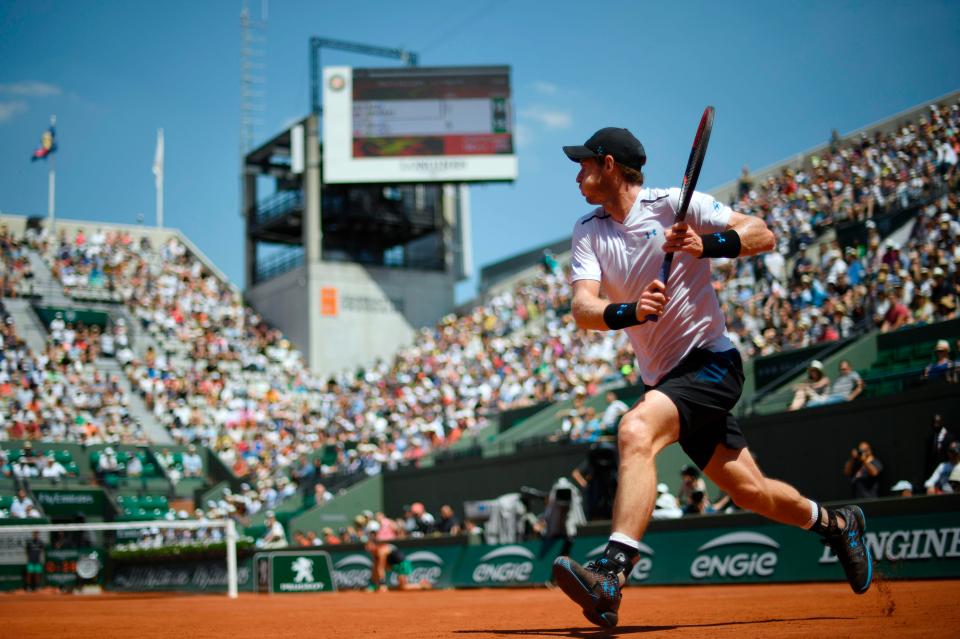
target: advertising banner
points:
(70, 502)
(309, 571)
(910, 546)
(436, 564)
(512, 565)
(196, 576)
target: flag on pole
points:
(158, 159)
(48, 144)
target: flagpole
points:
(52, 186)
(158, 172)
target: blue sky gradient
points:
(781, 76)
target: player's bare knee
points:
(635, 437)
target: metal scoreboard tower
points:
(354, 283)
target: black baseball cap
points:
(620, 143)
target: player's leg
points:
(644, 431)
(652, 425)
(736, 473)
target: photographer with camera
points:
(864, 470)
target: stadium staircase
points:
(47, 291)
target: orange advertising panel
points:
(329, 306)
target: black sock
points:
(621, 557)
(826, 525)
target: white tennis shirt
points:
(626, 257)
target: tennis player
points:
(692, 372)
(389, 558)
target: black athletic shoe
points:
(594, 587)
(850, 546)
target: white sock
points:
(622, 539)
(814, 514)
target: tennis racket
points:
(697, 153)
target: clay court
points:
(890, 609)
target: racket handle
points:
(664, 274)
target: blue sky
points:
(781, 76)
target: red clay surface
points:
(890, 609)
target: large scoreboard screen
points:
(445, 124)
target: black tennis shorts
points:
(705, 386)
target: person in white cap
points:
(666, 506)
(814, 388)
(942, 367)
(902, 488)
(275, 536)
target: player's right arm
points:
(590, 311)
(593, 312)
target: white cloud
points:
(9, 109)
(547, 117)
(546, 88)
(30, 89)
(522, 135)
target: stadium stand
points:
(213, 374)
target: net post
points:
(231, 534)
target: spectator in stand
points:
(274, 537)
(666, 506)
(192, 463)
(902, 488)
(815, 388)
(301, 540)
(134, 466)
(329, 538)
(320, 494)
(942, 367)
(698, 504)
(897, 315)
(448, 523)
(615, 408)
(845, 388)
(107, 464)
(52, 469)
(22, 506)
(418, 522)
(863, 469)
(939, 481)
(690, 482)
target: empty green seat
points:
(903, 353)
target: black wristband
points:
(723, 244)
(617, 316)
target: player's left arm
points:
(715, 230)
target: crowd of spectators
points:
(14, 263)
(216, 374)
(60, 394)
(858, 287)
